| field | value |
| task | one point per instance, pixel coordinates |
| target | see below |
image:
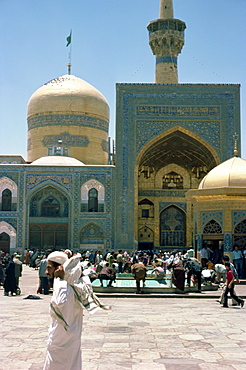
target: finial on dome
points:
(235, 138)
(69, 65)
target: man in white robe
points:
(64, 342)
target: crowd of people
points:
(105, 265)
(183, 266)
(71, 275)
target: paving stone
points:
(191, 336)
(165, 333)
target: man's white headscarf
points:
(58, 257)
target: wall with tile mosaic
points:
(36, 183)
(209, 112)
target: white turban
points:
(58, 257)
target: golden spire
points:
(235, 138)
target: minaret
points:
(166, 39)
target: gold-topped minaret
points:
(166, 39)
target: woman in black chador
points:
(10, 281)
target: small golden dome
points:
(231, 173)
(56, 161)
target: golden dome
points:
(68, 93)
(70, 110)
(231, 173)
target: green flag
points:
(69, 39)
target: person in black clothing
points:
(194, 268)
(10, 281)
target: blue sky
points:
(110, 45)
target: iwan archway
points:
(169, 166)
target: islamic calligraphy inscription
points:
(181, 110)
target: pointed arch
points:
(172, 167)
(212, 227)
(58, 202)
(6, 200)
(92, 196)
(9, 230)
(145, 208)
(239, 237)
(145, 235)
(179, 146)
(91, 234)
(7, 183)
(173, 227)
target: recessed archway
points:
(180, 147)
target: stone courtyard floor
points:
(137, 333)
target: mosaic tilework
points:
(212, 215)
(67, 120)
(156, 127)
(227, 243)
(74, 220)
(167, 59)
(12, 175)
(103, 219)
(4, 214)
(67, 140)
(178, 111)
(10, 221)
(92, 231)
(37, 199)
(199, 242)
(237, 216)
(21, 234)
(145, 111)
(34, 180)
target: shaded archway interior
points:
(178, 148)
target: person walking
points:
(230, 287)
(232, 267)
(18, 270)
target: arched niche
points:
(180, 147)
(173, 227)
(145, 208)
(8, 229)
(172, 167)
(92, 196)
(91, 234)
(40, 197)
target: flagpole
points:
(69, 40)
